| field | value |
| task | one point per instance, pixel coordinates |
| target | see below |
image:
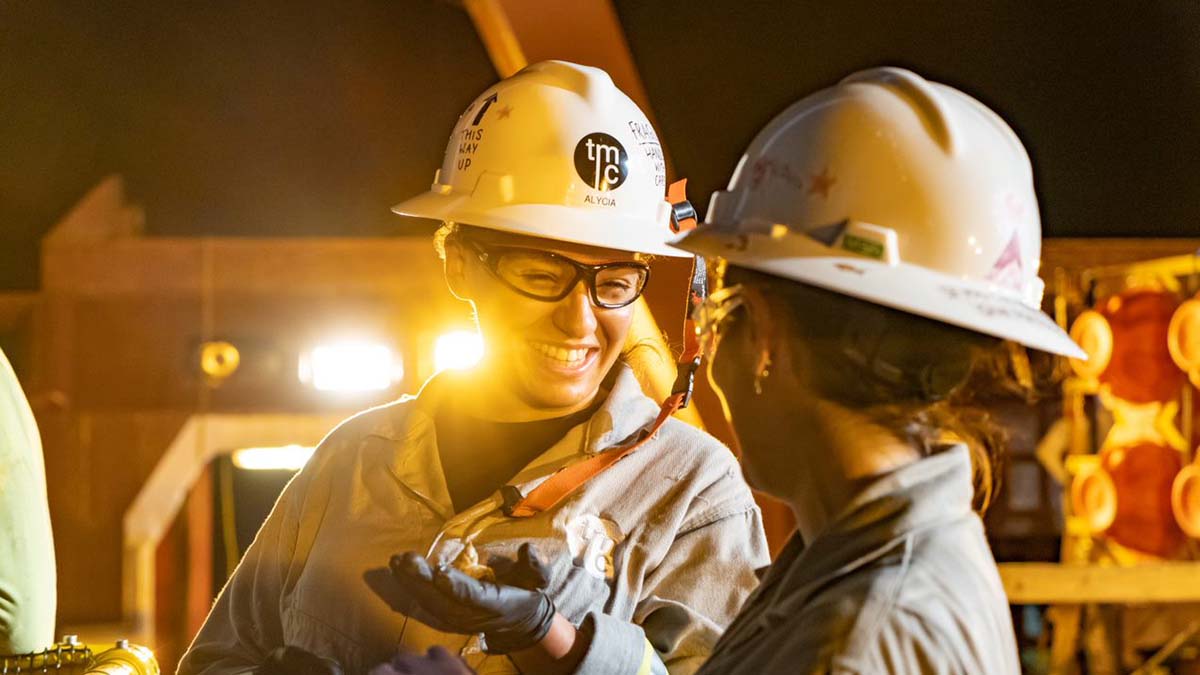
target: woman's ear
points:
(455, 267)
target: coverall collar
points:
(924, 494)
(416, 463)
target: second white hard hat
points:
(555, 151)
(898, 191)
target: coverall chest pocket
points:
(585, 567)
(577, 589)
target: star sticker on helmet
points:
(1008, 266)
(820, 183)
(504, 112)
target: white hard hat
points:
(898, 191)
(555, 151)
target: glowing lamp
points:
(457, 349)
(286, 457)
(350, 367)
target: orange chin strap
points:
(562, 483)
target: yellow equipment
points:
(72, 657)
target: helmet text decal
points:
(601, 161)
(643, 133)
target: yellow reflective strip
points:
(647, 665)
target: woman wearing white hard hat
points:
(525, 544)
(881, 241)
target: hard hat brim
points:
(558, 222)
(970, 304)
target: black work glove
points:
(437, 662)
(296, 661)
(513, 613)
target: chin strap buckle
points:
(510, 496)
(683, 214)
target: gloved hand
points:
(437, 662)
(290, 660)
(513, 613)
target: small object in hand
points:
(510, 617)
(467, 562)
(289, 660)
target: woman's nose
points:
(575, 315)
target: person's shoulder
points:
(695, 453)
(882, 619)
(711, 470)
(901, 641)
(388, 421)
(863, 622)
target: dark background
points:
(310, 118)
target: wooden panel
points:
(1051, 583)
(15, 309)
(1076, 255)
(199, 567)
(142, 352)
(165, 265)
(95, 464)
(584, 31)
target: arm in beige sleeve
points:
(688, 600)
(699, 587)
(27, 588)
(245, 623)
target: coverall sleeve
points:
(27, 592)
(689, 598)
(245, 623)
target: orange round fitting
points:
(1143, 475)
(1183, 336)
(1185, 500)
(1094, 497)
(1092, 332)
(1141, 369)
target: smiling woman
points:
(633, 566)
(551, 342)
(554, 314)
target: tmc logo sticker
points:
(601, 161)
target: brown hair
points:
(924, 380)
(448, 229)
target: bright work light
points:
(457, 349)
(350, 367)
(287, 457)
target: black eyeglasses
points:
(543, 275)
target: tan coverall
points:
(27, 590)
(901, 582)
(653, 556)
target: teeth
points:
(560, 354)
